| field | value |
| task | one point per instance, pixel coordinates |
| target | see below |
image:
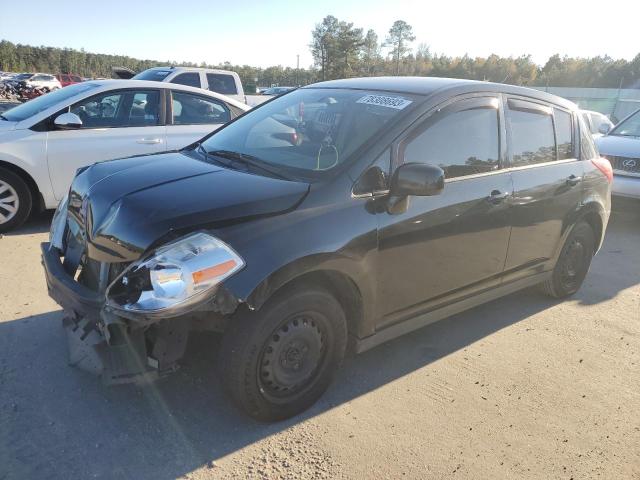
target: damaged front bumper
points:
(100, 341)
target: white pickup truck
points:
(224, 82)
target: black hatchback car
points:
(342, 214)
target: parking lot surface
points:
(522, 387)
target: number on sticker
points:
(384, 101)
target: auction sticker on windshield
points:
(384, 101)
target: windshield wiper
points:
(246, 159)
(3, 117)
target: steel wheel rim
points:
(292, 356)
(9, 202)
(573, 264)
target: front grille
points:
(622, 165)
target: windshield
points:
(311, 130)
(39, 104)
(152, 74)
(24, 76)
(630, 127)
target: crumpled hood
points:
(125, 206)
(619, 146)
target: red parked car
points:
(68, 79)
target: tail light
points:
(604, 166)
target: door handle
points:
(572, 181)
(497, 196)
(149, 141)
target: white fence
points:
(614, 102)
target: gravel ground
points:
(523, 387)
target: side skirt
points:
(433, 316)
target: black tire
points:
(10, 219)
(276, 362)
(573, 263)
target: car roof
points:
(116, 83)
(191, 69)
(428, 86)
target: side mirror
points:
(604, 128)
(68, 121)
(418, 179)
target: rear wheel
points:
(15, 200)
(277, 362)
(573, 263)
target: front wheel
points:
(573, 263)
(277, 362)
(15, 200)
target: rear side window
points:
(588, 149)
(532, 136)
(221, 83)
(564, 138)
(462, 143)
(191, 109)
(191, 79)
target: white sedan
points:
(44, 141)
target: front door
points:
(115, 124)
(442, 247)
(547, 179)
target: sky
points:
(264, 33)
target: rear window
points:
(152, 74)
(221, 83)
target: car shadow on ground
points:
(59, 422)
(39, 222)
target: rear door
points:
(191, 117)
(547, 179)
(115, 124)
(439, 248)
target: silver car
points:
(622, 147)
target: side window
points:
(532, 136)
(564, 139)
(588, 149)
(462, 143)
(191, 79)
(189, 109)
(587, 121)
(221, 83)
(119, 109)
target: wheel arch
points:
(353, 293)
(38, 200)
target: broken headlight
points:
(175, 276)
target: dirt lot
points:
(523, 387)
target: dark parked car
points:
(345, 213)
(276, 91)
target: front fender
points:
(340, 238)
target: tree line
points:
(341, 50)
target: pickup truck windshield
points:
(311, 130)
